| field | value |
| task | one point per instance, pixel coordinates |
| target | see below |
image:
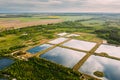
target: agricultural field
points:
(74, 18)
(18, 21)
(14, 24)
(76, 37)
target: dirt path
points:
(44, 51)
(82, 61)
(73, 49)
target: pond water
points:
(62, 34)
(110, 67)
(39, 48)
(58, 40)
(81, 45)
(110, 50)
(65, 57)
(72, 35)
(5, 62)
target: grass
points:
(36, 18)
(27, 19)
(36, 68)
(73, 18)
(98, 74)
(9, 41)
(39, 69)
(92, 23)
(22, 19)
(88, 37)
(36, 34)
(83, 60)
(106, 55)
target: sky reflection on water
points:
(63, 56)
(110, 67)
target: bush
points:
(98, 74)
(40, 69)
(16, 47)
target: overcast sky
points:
(60, 6)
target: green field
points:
(94, 28)
(25, 19)
(73, 18)
(90, 28)
(36, 18)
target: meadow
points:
(90, 27)
(28, 36)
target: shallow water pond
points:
(58, 40)
(81, 45)
(110, 50)
(39, 48)
(5, 62)
(72, 35)
(110, 67)
(65, 57)
(62, 34)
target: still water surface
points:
(65, 57)
(5, 62)
(110, 67)
(39, 48)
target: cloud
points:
(60, 5)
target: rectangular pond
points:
(62, 34)
(5, 62)
(110, 50)
(39, 48)
(110, 67)
(72, 35)
(65, 57)
(58, 40)
(81, 45)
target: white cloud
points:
(50, 2)
(61, 5)
(73, 0)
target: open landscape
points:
(70, 44)
(59, 40)
(19, 22)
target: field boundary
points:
(82, 61)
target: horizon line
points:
(4, 12)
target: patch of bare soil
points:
(17, 24)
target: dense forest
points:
(40, 69)
(112, 35)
